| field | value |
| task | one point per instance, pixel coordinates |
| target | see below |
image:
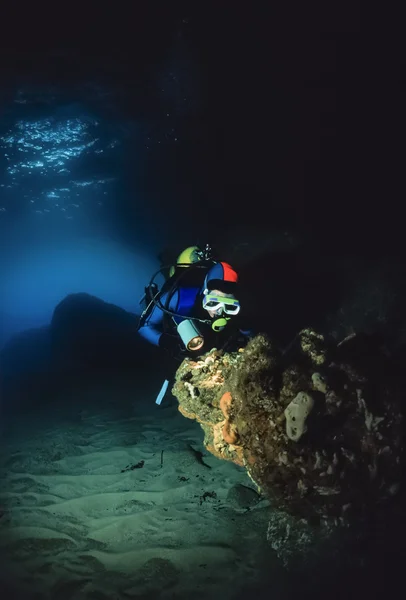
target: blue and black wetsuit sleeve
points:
(247, 333)
(153, 328)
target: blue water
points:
(85, 205)
(57, 237)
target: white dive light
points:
(190, 335)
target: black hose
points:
(156, 299)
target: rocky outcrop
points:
(88, 333)
(318, 428)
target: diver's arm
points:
(150, 334)
(170, 340)
(152, 330)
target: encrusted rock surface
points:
(346, 456)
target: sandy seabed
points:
(103, 495)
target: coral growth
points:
(318, 428)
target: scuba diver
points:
(196, 309)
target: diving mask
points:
(218, 304)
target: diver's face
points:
(219, 311)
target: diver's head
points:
(221, 276)
(218, 303)
(219, 296)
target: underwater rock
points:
(241, 496)
(87, 332)
(346, 454)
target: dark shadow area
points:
(289, 291)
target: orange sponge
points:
(225, 404)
